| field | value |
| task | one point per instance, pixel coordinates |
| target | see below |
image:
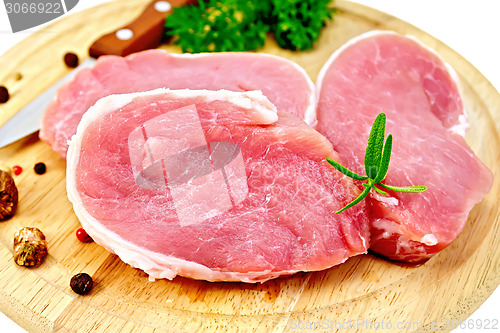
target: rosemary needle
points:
(377, 158)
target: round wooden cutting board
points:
(364, 294)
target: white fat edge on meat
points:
(390, 228)
(162, 266)
(462, 127)
(250, 100)
(459, 129)
(429, 240)
(365, 242)
(391, 201)
(387, 226)
(463, 124)
(310, 112)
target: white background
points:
(472, 28)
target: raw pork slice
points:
(283, 82)
(390, 73)
(212, 185)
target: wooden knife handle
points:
(145, 32)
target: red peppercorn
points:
(82, 235)
(17, 170)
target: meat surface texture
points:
(212, 185)
(386, 72)
(283, 82)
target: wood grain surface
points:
(365, 290)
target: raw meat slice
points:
(390, 73)
(283, 82)
(213, 185)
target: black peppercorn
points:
(81, 283)
(40, 168)
(4, 94)
(71, 60)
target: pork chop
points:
(386, 72)
(283, 82)
(212, 185)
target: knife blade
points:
(145, 32)
(27, 120)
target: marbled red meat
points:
(390, 73)
(283, 82)
(212, 185)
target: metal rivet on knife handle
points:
(147, 31)
(163, 6)
(124, 34)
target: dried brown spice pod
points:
(8, 195)
(30, 247)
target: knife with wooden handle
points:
(145, 32)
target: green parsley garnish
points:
(377, 158)
(297, 24)
(217, 26)
(242, 25)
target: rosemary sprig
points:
(377, 158)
